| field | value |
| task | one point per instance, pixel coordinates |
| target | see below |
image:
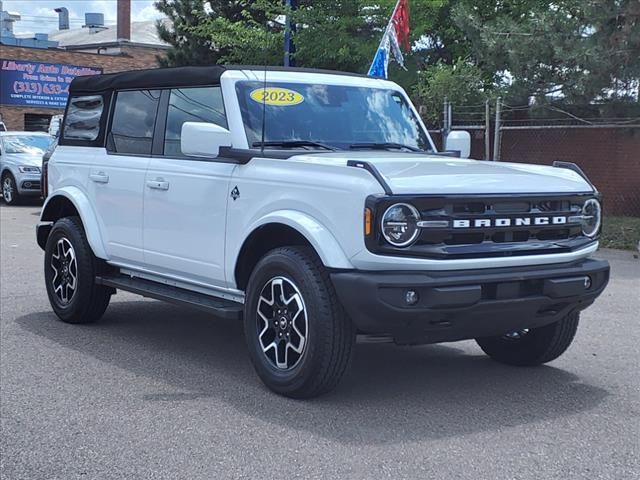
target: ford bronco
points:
(314, 207)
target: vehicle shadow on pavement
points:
(391, 394)
(24, 202)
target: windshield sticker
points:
(281, 97)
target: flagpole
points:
(386, 31)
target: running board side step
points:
(178, 296)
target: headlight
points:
(591, 217)
(28, 169)
(400, 224)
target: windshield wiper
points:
(383, 146)
(293, 144)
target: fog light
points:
(587, 283)
(411, 297)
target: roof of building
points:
(173, 77)
(143, 33)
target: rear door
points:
(185, 199)
(116, 180)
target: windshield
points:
(30, 144)
(332, 115)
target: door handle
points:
(99, 177)
(158, 184)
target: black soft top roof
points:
(172, 77)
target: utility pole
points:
(290, 29)
(496, 133)
(487, 130)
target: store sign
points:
(37, 84)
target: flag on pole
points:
(395, 35)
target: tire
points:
(533, 347)
(321, 336)
(10, 189)
(70, 270)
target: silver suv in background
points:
(21, 162)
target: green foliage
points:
(338, 35)
(461, 83)
(567, 51)
(184, 48)
(335, 35)
(238, 25)
(621, 232)
(249, 37)
(573, 49)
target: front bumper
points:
(28, 183)
(468, 304)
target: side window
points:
(134, 118)
(83, 118)
(202, 104)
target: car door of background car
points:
(185, 198)
(116, 180)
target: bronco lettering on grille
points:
(509, 222)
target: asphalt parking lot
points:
(156, 391)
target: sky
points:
(38, 15)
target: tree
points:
(339, 35)
(462, 83)
(574, 50)
(184, 17)
(184, 49)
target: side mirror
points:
(199, 139)
(459, 140)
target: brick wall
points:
(609, 156)
(132, 58)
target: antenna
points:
(264, 107)
(264, 87)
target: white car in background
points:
(20, 163)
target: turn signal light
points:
(367, 222)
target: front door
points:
(185, 199)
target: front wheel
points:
(299, 338)
(70, 271)
(10, 189)
(534, 346)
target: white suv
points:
(314, 206)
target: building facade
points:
(34, 80)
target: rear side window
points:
(134, 118)
(82, 121)
(202, 104)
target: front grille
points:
(474, 227)
(499, 211)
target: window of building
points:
(36, 122)
(203, 104)
(133, 122)
(82, 121)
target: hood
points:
(22, 159)
(429, 174)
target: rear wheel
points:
(70, 270)
(534, 346)
(10, 189)
(299, 338)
